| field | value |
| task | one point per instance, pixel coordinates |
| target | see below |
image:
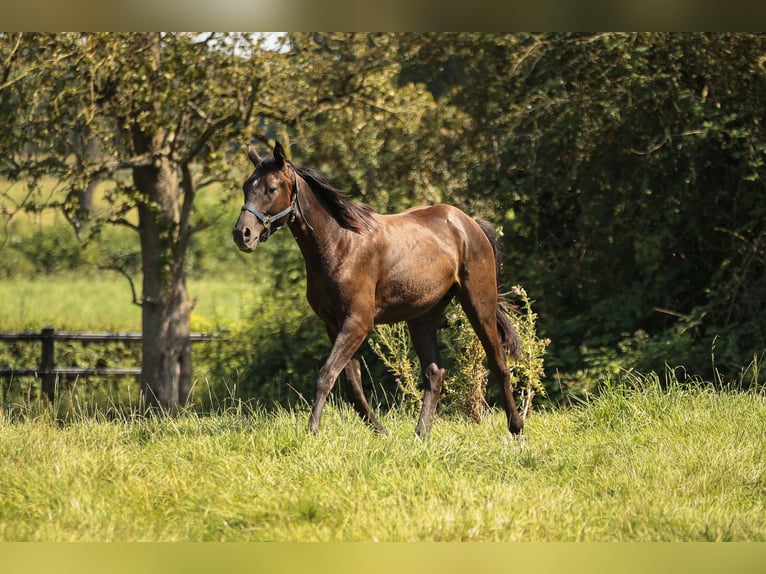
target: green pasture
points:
(644, 459)
(638, 258)
(648, 460)
(103, 301)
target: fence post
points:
(48, 363)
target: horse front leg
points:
(347, 342)
(423, 333)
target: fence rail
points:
(48, 371)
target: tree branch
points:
(204, 224)
(114, 267)
(209, 132)
(121, 221)
(142, 160)
(23, 74)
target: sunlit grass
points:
(648, 463)
(103, 301)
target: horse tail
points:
(509, 337)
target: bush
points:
(45, 250)
(465, 388)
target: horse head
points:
(269, 194)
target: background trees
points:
(151, 113)
(626, 171)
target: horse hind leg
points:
(433, 376)
(484, 316)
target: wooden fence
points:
(47, 369)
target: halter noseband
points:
(267, 220)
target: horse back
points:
(425, 253)
(434, 232)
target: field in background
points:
(47, 277)
(642, 462)
(103, 301)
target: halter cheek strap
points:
(267, 220)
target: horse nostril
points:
(241, 236)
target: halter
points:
(267, 220)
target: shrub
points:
(393, 346)
(465, 388)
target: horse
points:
(365, 268)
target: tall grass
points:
(646, 460)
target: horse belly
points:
(413, 288)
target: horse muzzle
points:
(245, 238)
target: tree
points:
(160, 111)
(373, 135)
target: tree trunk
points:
(166, 308)
(92, 156)
(166, 348)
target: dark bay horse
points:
(365, 268)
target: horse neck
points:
(315, 229)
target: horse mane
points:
(357, 217)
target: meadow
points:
(103, 301)
(646, 460)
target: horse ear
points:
(279, 155)
(253, 155)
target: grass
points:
(642, 462)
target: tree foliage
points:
(628, 173)
(154, 115)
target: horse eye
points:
(272, 190)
